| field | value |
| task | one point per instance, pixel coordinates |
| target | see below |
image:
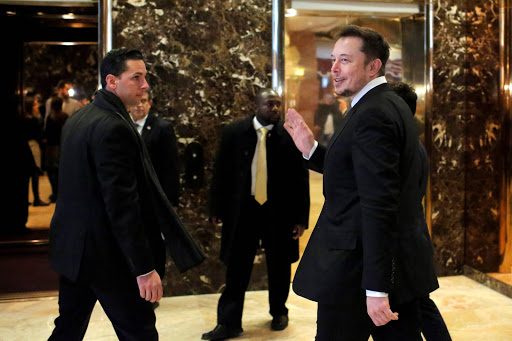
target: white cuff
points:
(307, 157)
(372, 293)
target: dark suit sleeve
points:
(169, 160)
(301, 195)
(316, 162)
(222, 174)
(376, 157)
(114, 153)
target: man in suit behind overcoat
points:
(160, 140)
(368, 261)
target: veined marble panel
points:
(466, 153)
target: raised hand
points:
(299, 131)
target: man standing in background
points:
(260, 195)
(69, 105)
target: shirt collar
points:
(257, 125)
(370, 85)
(142, 121)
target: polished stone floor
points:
(472, 312)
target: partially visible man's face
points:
(131, 85)
(64, 92)
(349, 72)
(141, 110)
(269, 108)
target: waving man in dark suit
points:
(260, 193)
(369, 259)
(106, 234)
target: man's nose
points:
(335, 67)
(145, 85)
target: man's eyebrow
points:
(341, 54)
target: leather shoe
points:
(222, 332)
(279, 322)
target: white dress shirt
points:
(139, 124)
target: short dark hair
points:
(62, 83)
(114, 63)
(407, 93)
(265, 91)
(56, 104)
(150, 94)
(374, 46)
(29, 104)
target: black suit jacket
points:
(111, 209)
(160, 140)
(287, 190)
(371, 231)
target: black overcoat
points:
(111, 209)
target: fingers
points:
(288, 128)
(381, 318)
(150, 287)
(293, 117)
(379, 310)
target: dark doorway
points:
(42, 45)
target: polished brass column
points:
(104, 31)
(505, 242)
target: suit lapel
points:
(338, 132)
(352, 111)
(148, 126)
(248, 139)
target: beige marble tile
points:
(472, 312)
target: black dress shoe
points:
(279, 322)
(40, 203)
(222, 332)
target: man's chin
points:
(345, 93)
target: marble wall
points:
(206, 60)
(466, 154)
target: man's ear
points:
(111, 81)
(150, 102)
(375, 66)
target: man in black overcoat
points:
(272, 220)
(369, 260)
(106, 234)
(160, 140)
